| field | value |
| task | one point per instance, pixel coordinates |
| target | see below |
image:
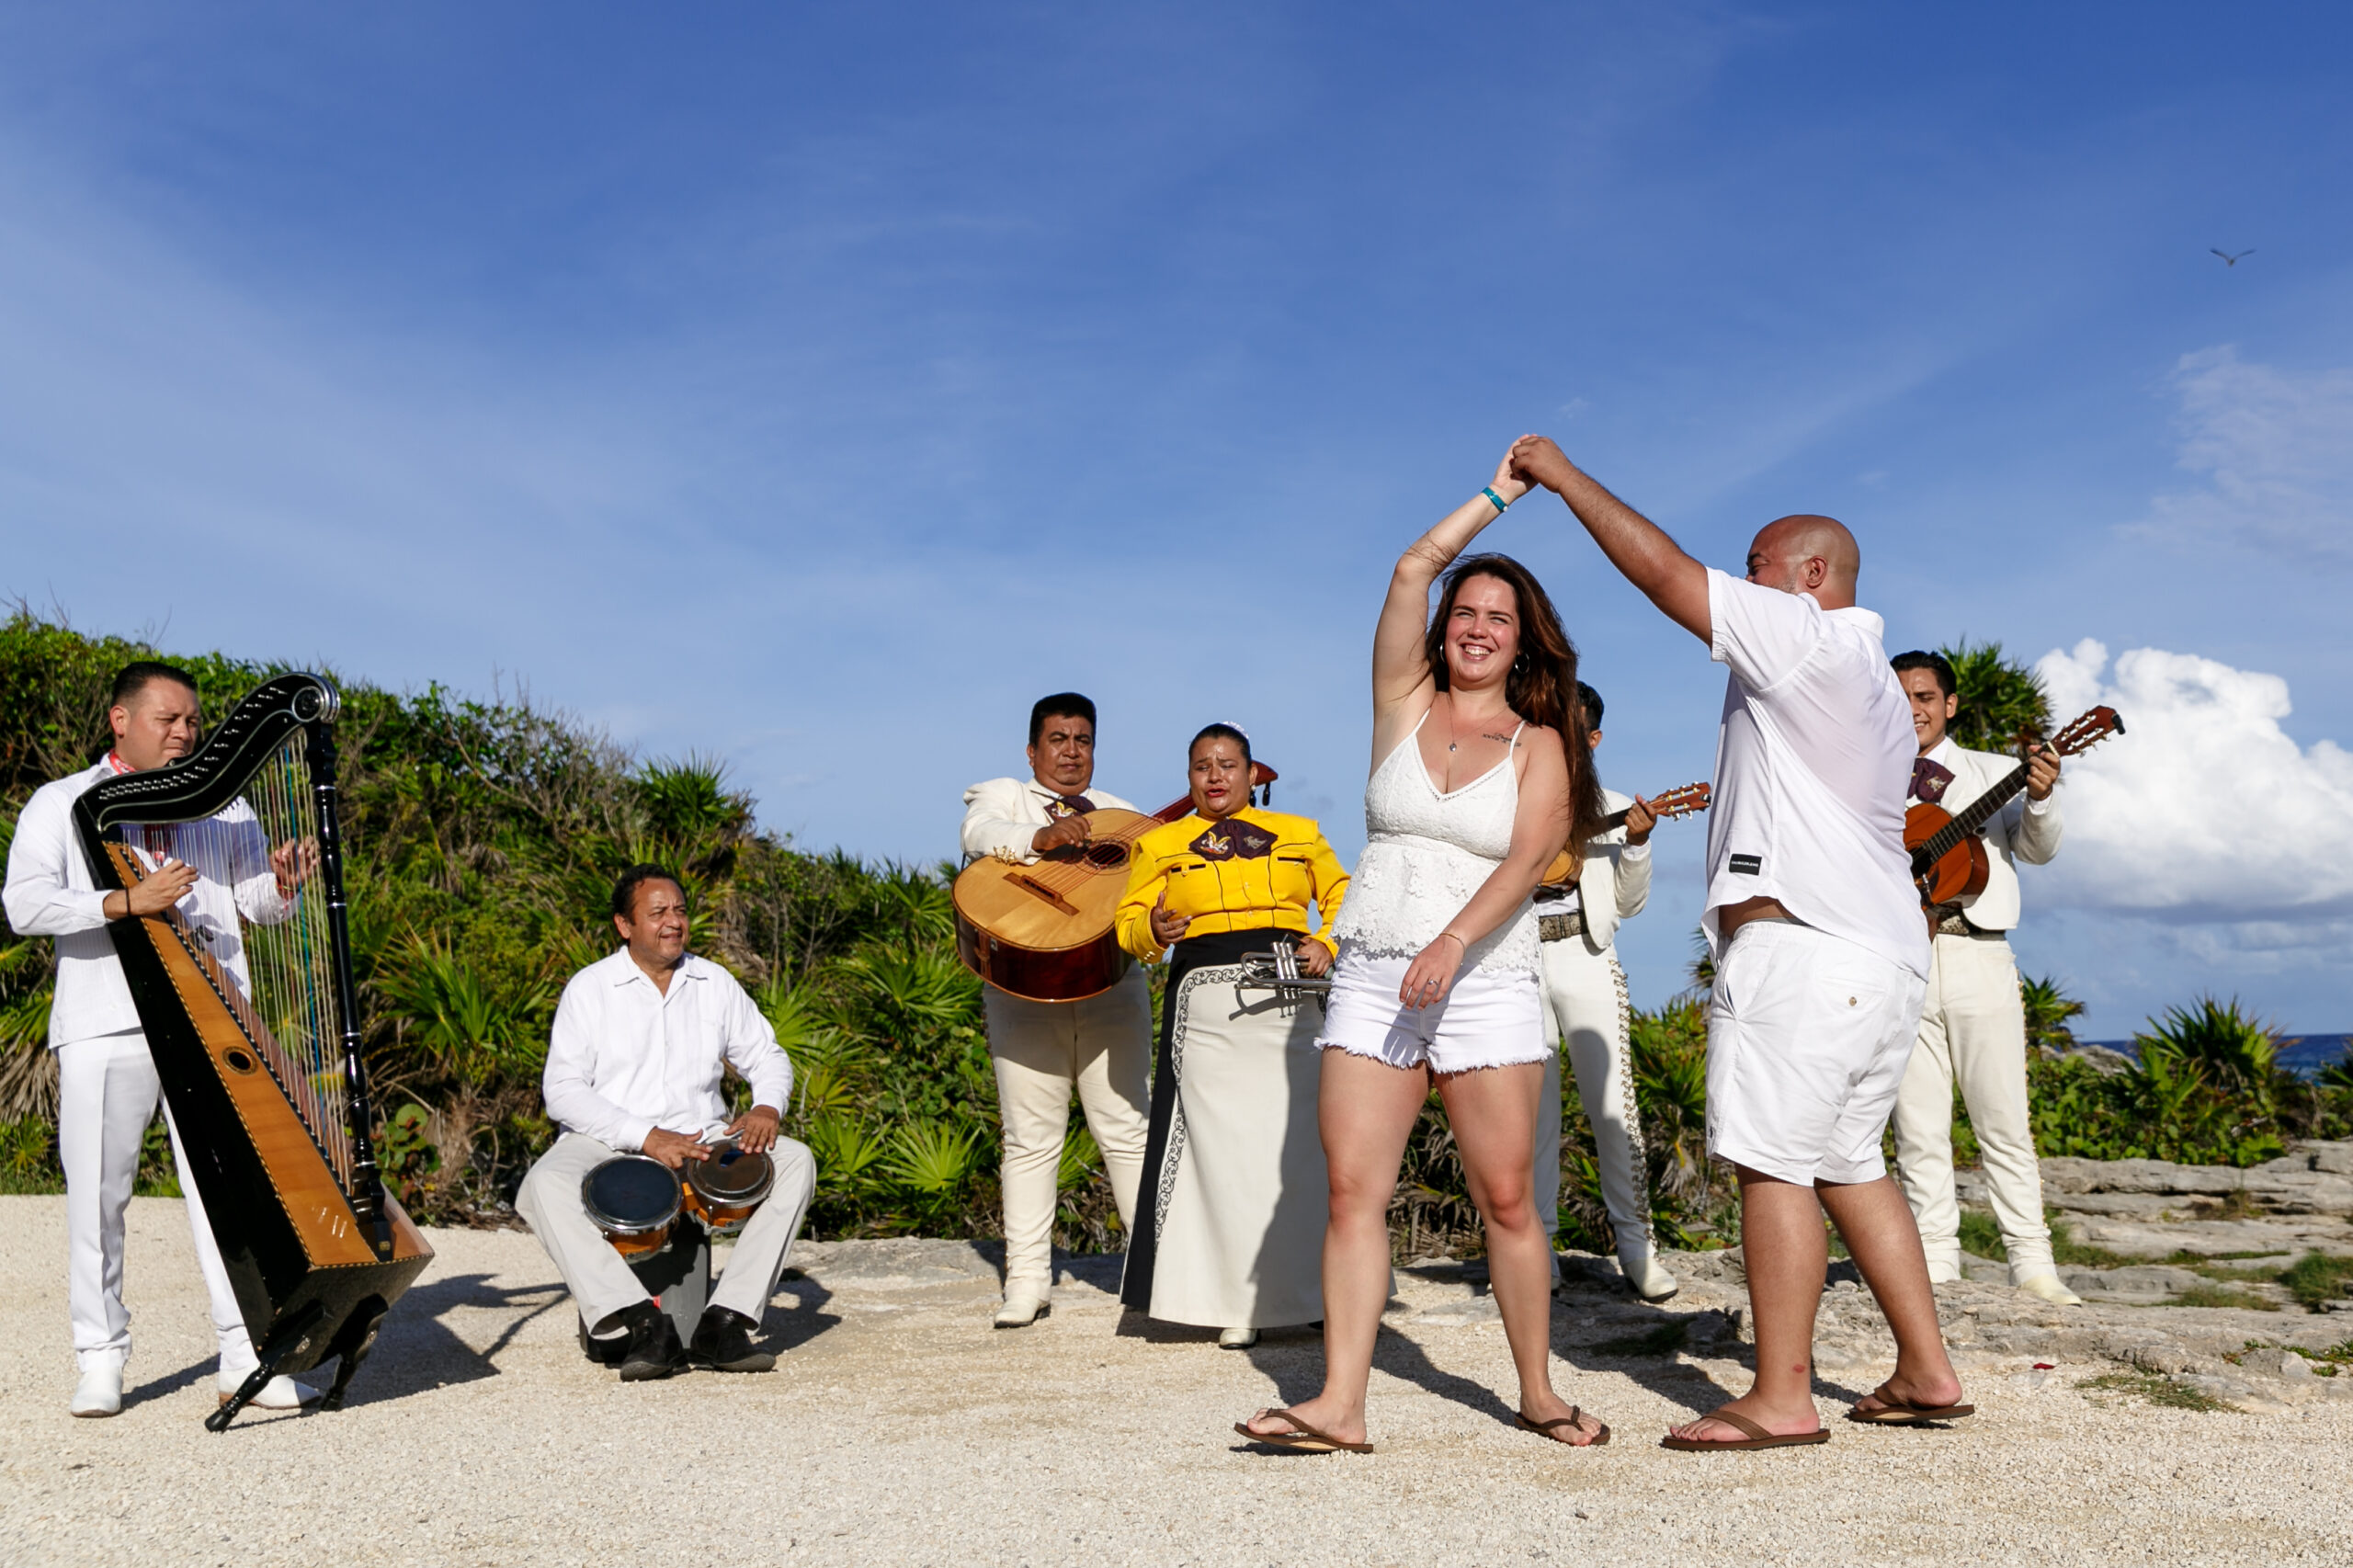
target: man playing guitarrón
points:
(1100, 1045)
(640, 1041)
(1972, 1029)
(215, 874)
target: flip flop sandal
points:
(1903, 1413)
(1302, 1439)
(1758, 1437)
(1545, 1428)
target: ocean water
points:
(2303, 1055)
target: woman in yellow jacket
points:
(1228, 1229)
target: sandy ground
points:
(900, 1428)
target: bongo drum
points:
(723, 1190)
(635, 1199)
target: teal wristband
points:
(1502, 506)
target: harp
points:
(253, 1022)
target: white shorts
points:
(1489, 1019)
(1808, 1035)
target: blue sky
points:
(816, 389)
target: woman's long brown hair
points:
(1543, 685)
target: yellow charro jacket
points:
(1256, 870)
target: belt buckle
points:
(1560, 928)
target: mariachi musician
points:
(108, 1085)
(1972, 1028)
(1099, 1045)
(1586, 1008)
(1233, 1239)
(640, 1041)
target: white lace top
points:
(1427, 854)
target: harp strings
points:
(264, 848)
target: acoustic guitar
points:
(1681, 802)
(1949, 854)
(1043, 930)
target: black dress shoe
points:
(723, 1343)
(654, 1348)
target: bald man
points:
(1820, 954)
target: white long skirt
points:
(1239, 1196)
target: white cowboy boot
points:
(1025, 1303)
(99, 1393)
(281, 1393)
(1237, 1338)
(1651, 1281)
(2047, 1285)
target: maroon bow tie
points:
(1930, 779)
(1070, 806)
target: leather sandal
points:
(1545, 1428)
(1302, 1439)
(1758, 1437)
(1895, 1411)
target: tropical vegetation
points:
(485, 833)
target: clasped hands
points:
(755, 1133)
(1168, 928)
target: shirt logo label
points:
(1748, 865)
(1233, 841)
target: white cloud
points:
(2276, 448)
(2204, 810)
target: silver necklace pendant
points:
(1450, 745)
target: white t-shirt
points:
(1813, 764)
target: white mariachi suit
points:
(1973, 1031)
(1101, 1047)
(108, 1087)
(1586, 1005)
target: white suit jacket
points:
(1615, 881)
(1003, 815)
(2023, 830)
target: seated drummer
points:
(634, 1062)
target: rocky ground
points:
(898, 1427)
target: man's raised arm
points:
(1635, 545)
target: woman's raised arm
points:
(1401, 681)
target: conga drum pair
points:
(636, 1199)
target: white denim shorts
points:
(1489, 1019)
(1808, 1035)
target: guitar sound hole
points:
(238, 1061)
(1107, 857)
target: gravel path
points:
(899, 1428)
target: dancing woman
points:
(1481, 773)
(1232, 1214)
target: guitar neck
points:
(1973, 816)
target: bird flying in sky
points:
(2230, 260)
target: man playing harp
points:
(213, 873)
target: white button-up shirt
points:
(1812, 763)
(626, 1057)
(50, 892)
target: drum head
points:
(733, 1176)
(630, 1193)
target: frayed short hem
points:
(1425, 1062)
(1815, 1178)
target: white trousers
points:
(1102, 1048)
(1586, 1005)
(108, 1092)
(601, 1280)
(1973, 1031)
